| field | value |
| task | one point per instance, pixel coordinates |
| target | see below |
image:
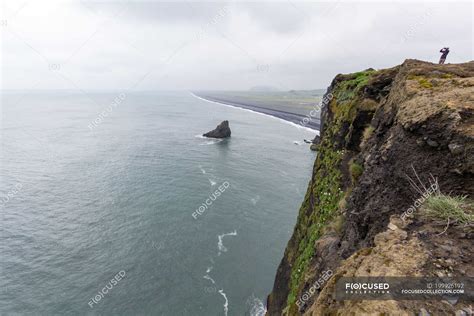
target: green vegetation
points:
(446, 76)
(347, 98)
(368, 131)
(348, 89)
(335, 225)
(327, 194)
(323, 201)
(356, 170)
(422, 81)
(425, 83)
(342, 205)
(367, 105)
(455, 209)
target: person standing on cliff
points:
(444, 53)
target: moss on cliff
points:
(322, 201)
(328, 193)
(422, 81)
(378, 123)
(348, 89)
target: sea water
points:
(98, 191)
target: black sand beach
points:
(314, 122)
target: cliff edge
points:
(387, 137)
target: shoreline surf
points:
(287, 117)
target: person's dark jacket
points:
(445, 52)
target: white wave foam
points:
(202, 169)
(211, 142)
(257, 307)
(226, 303)
(267, 115)
(208, 277)
(213, 183)
(220, 244)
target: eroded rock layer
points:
(381, 128)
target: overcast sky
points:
(154, 45)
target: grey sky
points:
(152, 45)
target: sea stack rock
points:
(221, 131)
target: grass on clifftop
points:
(348, 89)
(347, 94)
(422, 81)
(454, 209)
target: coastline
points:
(288, 117)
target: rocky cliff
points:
(387, 135)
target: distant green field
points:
(295, 101)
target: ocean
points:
(99, 200)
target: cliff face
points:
(381, 129)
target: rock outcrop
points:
(221, 131)
(381, 128)
(315, 142)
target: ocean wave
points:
(209, 141)
(221, 291)
(212, 142)
(220, 244)
(208, 277)
(257, 307)
(226, 303)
